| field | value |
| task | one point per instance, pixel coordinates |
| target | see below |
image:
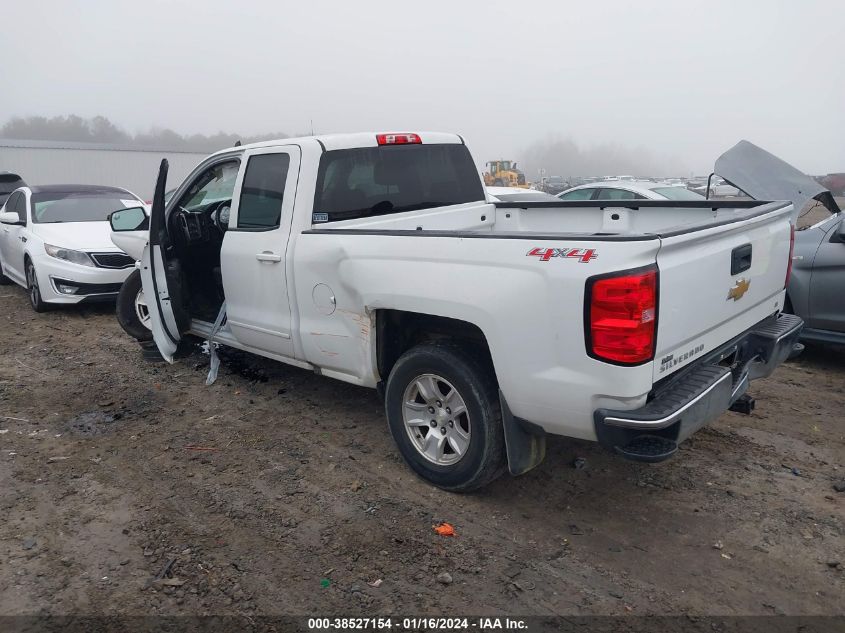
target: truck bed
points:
(643, 219)
(439, 257)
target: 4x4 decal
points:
(583, 255)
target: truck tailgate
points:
(718, 281)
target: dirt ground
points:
(276, 491)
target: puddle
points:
(91, 424)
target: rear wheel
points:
(132, 311)
(443, 412)
(35, 300)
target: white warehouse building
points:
(59, 162)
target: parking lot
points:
(130, 487)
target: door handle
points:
(23, 239)
(268, 256)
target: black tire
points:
(38, 304)
(127, 316)
(484, 459)
(4, 281)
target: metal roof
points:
(27, 144)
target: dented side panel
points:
(529, 308)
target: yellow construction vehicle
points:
(503, 173)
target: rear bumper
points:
(678, 408)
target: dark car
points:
(554, 185)
(8, 183)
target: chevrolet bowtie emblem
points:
(740, 288)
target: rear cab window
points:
(374, 181)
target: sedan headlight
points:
(75, 257)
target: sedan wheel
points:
(142, 311)
(35, 299)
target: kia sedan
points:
(55, 241)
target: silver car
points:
(816, 290)
(629, 190)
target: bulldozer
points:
(503, 173)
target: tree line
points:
(100, 129)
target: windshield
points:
(214, 185)
(677, 193)
(356, 183)
(55, 207)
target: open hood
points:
(764, 176)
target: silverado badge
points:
(740, 288)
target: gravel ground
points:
(132, 488)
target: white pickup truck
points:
(376, 259)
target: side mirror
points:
(131, 219)
(840, 230)
(9, 217)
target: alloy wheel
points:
(436, 419)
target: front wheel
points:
(38, 304)
(133, 314)
(443, 412)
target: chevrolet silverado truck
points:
(376, 259)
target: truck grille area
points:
(112, 260)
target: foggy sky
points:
(679, 81)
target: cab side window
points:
(263, 191)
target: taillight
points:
(405, 138)
(621, 316)
(791, 251)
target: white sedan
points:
(55, 241)
(517, 194)
(629, 190)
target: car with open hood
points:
(55, 242)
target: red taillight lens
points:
(622, 317)
(405, 138)
(791, 251)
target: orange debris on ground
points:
(444, 529)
